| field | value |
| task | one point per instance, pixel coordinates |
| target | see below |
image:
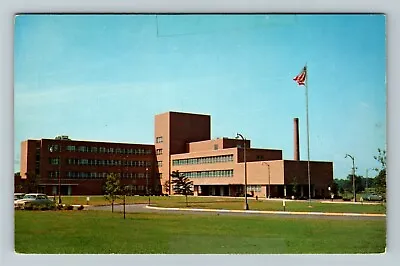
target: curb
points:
(272, 212)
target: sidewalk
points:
(271, 212)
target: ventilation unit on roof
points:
(62, 138)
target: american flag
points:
(301, 78)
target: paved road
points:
(135, 208)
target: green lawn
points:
(235, 204)
(97, 232)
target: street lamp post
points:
(354, 179)
(52, 149)
(246, 206)
(147, 183)
(269, 179)
(366, 177)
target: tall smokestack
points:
(296, 140)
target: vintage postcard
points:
(200, 133)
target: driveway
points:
(142, 208)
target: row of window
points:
(73, 148)
(95, 175)
(204, 160)
(254, 188)
(74, 161)
(212, 173)
(54, 161)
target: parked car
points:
(372, 196)
(18, 196)
(34, 200)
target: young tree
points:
(167, 185)
(380, 179)
(181, 184)
(359, 182)
(32, 182)
(294, 186)
(334, 187)
(112, 189)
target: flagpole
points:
(308, 141)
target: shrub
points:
(69, 207)
(28, 207)
(43, 207)
(80, 207)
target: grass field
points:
(97, 232)
(236, 204)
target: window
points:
(159, 139)
(215, 146)
(54, 161)
(93, 149)
(70, 148)
(254, 188)
(159, 151)
(53, 148)
(159, 163)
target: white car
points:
(18, 196)
(34, 199)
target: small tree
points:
(294, 188)
(32, 182)
(112, 189)
(181, 184)
(380, 179)
(334, 188)
(166, 185)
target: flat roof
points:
(93, 141)
(184, 113)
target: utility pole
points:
(354, 179)
(246, 206)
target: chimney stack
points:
(296, 140)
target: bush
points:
(80, 207)
(28, 207)
(69, 207)
(60, 207)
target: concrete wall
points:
(28, 157)
(178, 130)
(162, 129)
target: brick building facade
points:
(182, 142)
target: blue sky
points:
(104, 77)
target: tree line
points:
(377, 183)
